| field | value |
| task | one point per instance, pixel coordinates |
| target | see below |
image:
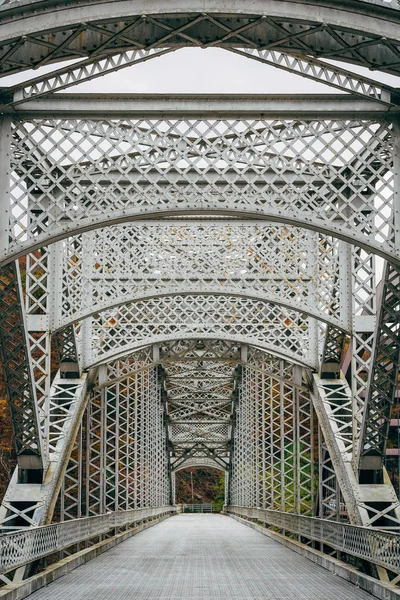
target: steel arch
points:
(330, 176)
(181, 335)
(185, 290)
(198, 462)
(147, 215)
(377, 23)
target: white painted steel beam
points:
(195, 105)
(358, 32)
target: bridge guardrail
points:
(197, 508)
(23, 546)
(375, 546)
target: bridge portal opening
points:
(200, 486)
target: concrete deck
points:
(200, 557)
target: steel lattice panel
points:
(331, 31)
(238, 319)
(272, 461)
(115, 265)
(332, 175)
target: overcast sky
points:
(197, 71)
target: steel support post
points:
(5, 176)
(18, 372)
(364, 322)
(38, 288)
(330, 499)
(383, 380)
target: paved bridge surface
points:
(199, 557)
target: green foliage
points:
(219, 498)
(208, 487)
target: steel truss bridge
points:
(193, 281)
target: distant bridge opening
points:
(201, 485)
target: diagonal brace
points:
(325, 73)
(85, 70)
(383, 379)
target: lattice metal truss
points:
(17, 370)
(280, 287)
(334, 176)
(199, 387)
(383, 378)
(197, 281)
(272, 31)
(126, 443)
(272, 458)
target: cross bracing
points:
(193, 281)
(345, 31)
(296, 172)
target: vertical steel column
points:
(5, 173)
(383, 380)
(71, 493)
(95, 452)
(364, 322)
(384, 364)
(14, 341)
(18, 373)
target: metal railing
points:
(375, 546)
(24, 546)
(197, 508)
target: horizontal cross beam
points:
(197, 105)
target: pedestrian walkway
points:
(200, 557)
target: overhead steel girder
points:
(255, 214)
(199, 462)
(199, 350)
(275, 106)
(204, 290)
(330, 187)
(277, 350)
(17, 370)
(360, 32)
(322, 72)
(198, 427)
(383, 378)
(299, 64)
(174, 357)
(85, 70)
(116, 333)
